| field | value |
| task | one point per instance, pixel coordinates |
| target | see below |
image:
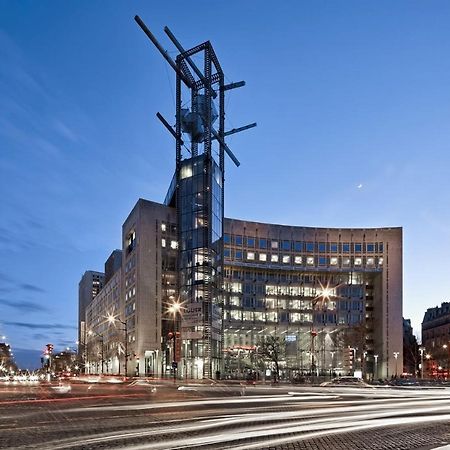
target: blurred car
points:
(346, 381)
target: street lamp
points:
(421, 350)
(112, 320)
(102, 342)
(174, 309)
(396, 359)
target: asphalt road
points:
(163, 415)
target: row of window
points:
(302, 260)
(173, 244)
(305, 305)
(300, 246)
(285, 317)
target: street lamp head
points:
(428, 356)
(110, 318)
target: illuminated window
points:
(163, 227)
(286, 259)
(251, 256)
(274, 258)
(174, 245)
(333, 261)
(274, 244)
(358, 261)
(186, 171)
(298, 260)
(380, 261)
(310, 260)
(346, 261)
(370, 261)
(163, 242)
(262, 257)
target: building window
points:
(163, 227)
(333, 247)
(322, 247)
(310, 260)
(274, 244)
(238, 240)
(286, 259)
(163, 243)
(333, 261)
(358, 248)
(298, 246)
(298, 260)
(370, 248)
(380, 247)
(358, 261)
(286, 245)
(346, 248)
(186, 171)
(380, 261)
(250, 242)
(131, 241)
(251, 256)
(263, 257)
(310, 246)
(173, 245)
(370, 261)
(274, 258)
(226, 239)
(227, 252)
(322, 261)
(238, 254)
(346, 262)
(263, 243)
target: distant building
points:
(411, 357)
(7, 363)
(90, 285)
(436, 327)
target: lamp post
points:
(174, 309)
(428, 356)
(102, 342)
(112, 320)
(445, 346)
(421, 350)
(396, 360)
(332, 364)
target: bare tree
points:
(272, 349)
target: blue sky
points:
(345, 94)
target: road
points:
(163, 415)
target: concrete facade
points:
(275, 277)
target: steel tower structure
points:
(197, 192)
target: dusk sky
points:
(352, 101)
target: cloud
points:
(24, 306)
(40, 326)
(31, 287)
